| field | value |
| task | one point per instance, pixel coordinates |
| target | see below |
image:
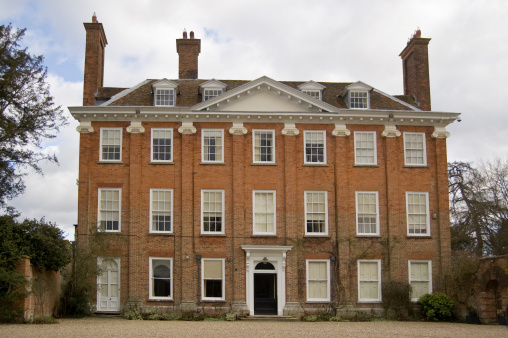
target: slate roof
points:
(189, 94)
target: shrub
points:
(396, 300)
(436, 307)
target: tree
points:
(28, 114)
(479, 207)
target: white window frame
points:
(171, 97)
(408, 159)
(427, 215)
(352, 96)
(223, 205)
(152, 146)
(357, 195)
(313, 93)
(119, 210)
(370, 300)
(256, 133)
(308, 212)
(308, 133)
(221, 145)
(254, 212)
(151, 278)
(203, 288)
(103, 143)
(429, 281)
(358, 134)
(152, 211)
(309, 262)
(215, 92)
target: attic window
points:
(211, 93)
(314, 93)
(165, 97)
(164, 93)
(358, 100)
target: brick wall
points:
(289, 178)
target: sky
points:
(286, 40)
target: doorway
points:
(108, 285)
(265, 294)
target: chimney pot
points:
(192, 35)
(94, 18)
(184, 33)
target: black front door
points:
(265, 294)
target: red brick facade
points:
(290, 249)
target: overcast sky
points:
(290, 40)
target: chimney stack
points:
(415, 64)
(94, 60)
(188, 51)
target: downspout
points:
(388, 247)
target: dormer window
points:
(211, 93)
(165, 97)
(211, 89)
(164, 93)
(358, 100)
(314, 93)
(312, 89)
(357, 95)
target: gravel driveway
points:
(118, 327)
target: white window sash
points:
(415, 150)
(209, 272)
(316, 213)
(420, 285)
(212, 146)
(264, 212)
(365, 212)
(157, 282)
(365, 148)
(109, 209)
(262, 153)
(110, 145)
(418, 218)
(318, 280)
(314, 146)
(161, 211)
(212, 212)
(161, 135)
(369, 282)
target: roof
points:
(189, 94)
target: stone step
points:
(268, 318)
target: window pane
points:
(213, 269)
(365, 148)
(314, 147)
(316, 212)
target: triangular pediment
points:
(265, 94)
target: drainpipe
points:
(198, 294)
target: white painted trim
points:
(429, 262)
(427, 211)
(221, 160)
(274, 194)
(364, 234)
(307, 132)
(254, 131)
(150, 222)
(151, 145)
(375, 147)
(424, 164)
(327, 298)
(203, 298)
(276, 255)
(150, 278)
(223, 225)
(317, 234)
(99, 263)
(370, 300)
(119, 209)
(100, 144)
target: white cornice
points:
(343, 116)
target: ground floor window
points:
(318, 280)
(161, 274)
(212, 278)
(420, 278)
(369, 280)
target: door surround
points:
(113, 303)
(274, 254)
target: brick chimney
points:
(415, 63)
(94, 60)
(188, 51)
